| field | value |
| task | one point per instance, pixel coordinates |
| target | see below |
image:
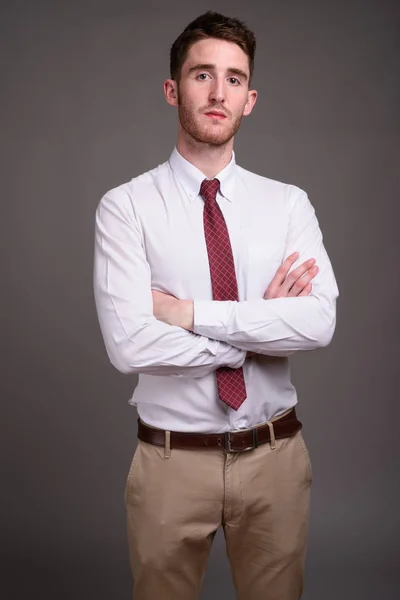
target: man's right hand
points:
(298, 283)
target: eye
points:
(202, 76)
(234, 80)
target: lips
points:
(216, 114)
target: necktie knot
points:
(209, 189)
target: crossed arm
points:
(149, 332)
(171, 310)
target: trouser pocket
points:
(131, 471)
(306, 453)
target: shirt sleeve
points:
(136, 342)
(281, 326)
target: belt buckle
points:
(228, 442)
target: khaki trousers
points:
(176, 500)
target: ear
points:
(171, 92)
(251, 100)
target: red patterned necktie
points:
(231, 384)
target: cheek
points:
(239, 110)
(188, 100)
(238, 102)
(191, 92)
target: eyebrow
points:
(211, 67)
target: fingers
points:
(297, 283)
(284, 269)
(296, 274)
(303, 281)
(299, 278)
(306, 291)
(280, 276)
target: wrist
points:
(187, 314)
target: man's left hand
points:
(172, 311)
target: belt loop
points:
(167, 447)
(272, 435)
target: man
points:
(207, 277)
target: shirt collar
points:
(190, 177)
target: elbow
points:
(128, 355)
(129, 363)
(325, 332)
(122, 365)
(124, 361)
(323, 322)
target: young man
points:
(207, 277)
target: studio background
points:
(82, 110)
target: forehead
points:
(222, 53)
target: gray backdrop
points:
(82, 110)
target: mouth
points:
(215, 114)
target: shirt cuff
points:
(209, 317)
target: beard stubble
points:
(213, 134)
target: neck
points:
(210, 159)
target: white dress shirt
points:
(150, 235)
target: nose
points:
(217, 91)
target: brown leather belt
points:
(230, 441)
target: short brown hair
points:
(211, 25)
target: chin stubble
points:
(202, 134)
